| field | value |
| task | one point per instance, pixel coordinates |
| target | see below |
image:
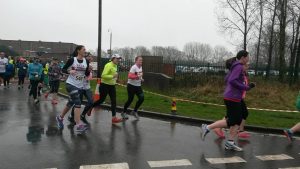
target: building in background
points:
(44, 50)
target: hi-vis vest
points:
(77, 80)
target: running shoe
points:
(36, 101)
(116, 120)
(80, 128)
(219, 132)
(60, 122)
(54, 101)
(232, 146)
(124, 116)
(135, 114)
(89, 112)
(83, 119)
(46, 95)
(289, 134)
(243, 134)
(204, 131)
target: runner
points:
(3, 63)
(54, 77)
(87, 93)
(108, 86)
(242, 133)
(232, 99)
(8, 74)
(77, 68)
(289, 133)
(35, 71)
(22, 72)
(135, 79)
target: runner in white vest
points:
(77, 68)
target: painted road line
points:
(169, 163)
(106, 166)
(274, 157)
(225, 160)
(291, 168)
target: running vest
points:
(3, 63)
(77, 80)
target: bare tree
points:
(238, 15)
(261, 17)
(282, 38)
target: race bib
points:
(80, 78)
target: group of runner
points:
(79, 72)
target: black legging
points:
(131, 91)
(6, 80)
(21, 80)
(105, 90)
(34, 87)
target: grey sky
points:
(133, 22)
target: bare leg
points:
(218, 124)
(296, 128)
(233, 131)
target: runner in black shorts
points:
(232, 98)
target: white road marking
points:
(291, 168)
(169, 163)
(274, 157)
(106, 166)
(225, 160)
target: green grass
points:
(163, 105)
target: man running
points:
(134, 87)
(54, 77)
(3, 63)
(232, 99)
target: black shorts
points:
(134, 89)
(54, 86)
(244, 110)
(234, 115)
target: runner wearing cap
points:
(108, 86)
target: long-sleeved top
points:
(22, 69)
(35, 69)
(107, 77)
(9, 69)
(235, 85)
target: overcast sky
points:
(133, 22)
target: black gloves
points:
(252, 85)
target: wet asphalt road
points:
(29, 139)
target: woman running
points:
(87, 93)
(8, 74)
(134, 87)
(78, 68)
(35, 71)
(232, 99)
(54, 77)
(242, 133)
(22, 72)
(108, 86)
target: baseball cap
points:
(115, 56)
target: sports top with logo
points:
(78, 78)
(136, 70)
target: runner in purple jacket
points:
(232, 98)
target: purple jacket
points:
(235, 83)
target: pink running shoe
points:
(243, 134)
(219, 132)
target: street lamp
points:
(99, 38)
(110, 42)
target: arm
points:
(87, 71)
(67, 65)
(132, 74)
(233, 79)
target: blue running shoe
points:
(60, 122)
(80, 128)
